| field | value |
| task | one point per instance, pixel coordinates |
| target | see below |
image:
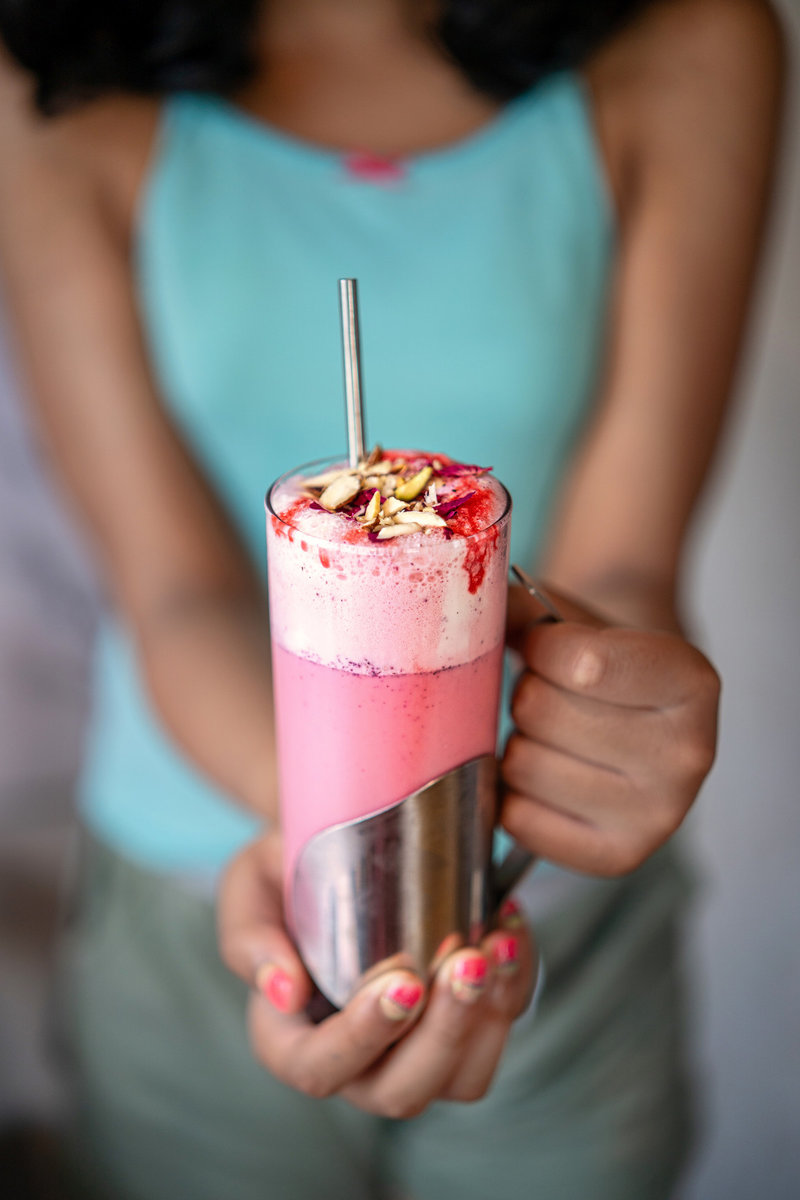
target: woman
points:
(556, 207)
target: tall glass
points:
(387, 663)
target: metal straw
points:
(351, 356)
(534, 590)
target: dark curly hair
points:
(77, 49)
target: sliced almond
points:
(392, 506)
(411, 488)
(375, 455)
(373, 509)
(340, 492)
(383, 467)
(393, 531)
(327, 477)
(432, 520)
(431, 497)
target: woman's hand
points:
(616, 731)
(393, 1049)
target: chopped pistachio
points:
(411, 488)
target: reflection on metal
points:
(400, 883)
(533, 589)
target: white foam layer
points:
(400, 606)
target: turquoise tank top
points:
(483, 275)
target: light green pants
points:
(590, 1102)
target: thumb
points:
(253, 940)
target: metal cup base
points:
(400, 887)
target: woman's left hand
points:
(397, 1046)
(616, 731)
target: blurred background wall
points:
(744, 596)
(744, 600)
(47, 608)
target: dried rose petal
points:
(448, 507)
(453, 470)
(363, 498)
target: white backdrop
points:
(744, 593)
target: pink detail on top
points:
(374, 168)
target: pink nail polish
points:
(401, 998)
(505, 951)
(510, 914)
(275, 985)
(469, 977)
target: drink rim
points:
(317, 463)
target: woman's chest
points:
(482, 288)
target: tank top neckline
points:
(473, 147)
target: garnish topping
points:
(340, 491)
(393, 497)
(409, 489)
(448, 507)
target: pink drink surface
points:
(351, 744)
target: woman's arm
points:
(617, 726)
(688, 106)
(173, 562)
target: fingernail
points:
(510, 914)
(588, 670)
(468, 979)
(505, 951)
(275, 985)
(400, 998)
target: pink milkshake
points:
(387, 602)
(388, 594)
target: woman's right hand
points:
(394, 1048)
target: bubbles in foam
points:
(397, 606)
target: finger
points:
(474, 1074)
(574, 843)
(515, 966)
(509, 993)
(583, 790)
(608, 735)
(252, 938)
(322, 1059)
(627, 667)
(419, 1067)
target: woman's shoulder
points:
(100, 150)
(685, 71)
